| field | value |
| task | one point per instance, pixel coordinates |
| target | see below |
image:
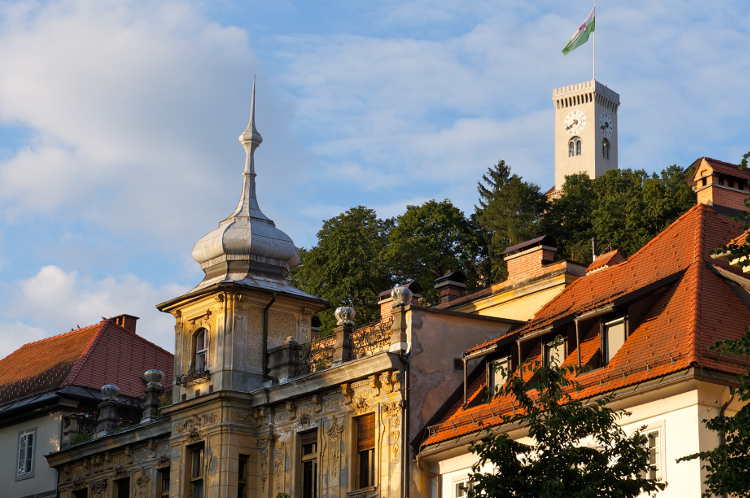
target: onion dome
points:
(246, 246)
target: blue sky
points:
(119, 122)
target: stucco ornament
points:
(153, 378)
(345, 315)
(109, 391)
(401, 295)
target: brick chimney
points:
(527, 259)
(126, 322)
(720, 184)
(450, 286)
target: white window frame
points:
(200, 352)
(456, 483)
(492, 366)
(607, 355)
(550, 346)
(23, 473)
(661, 455)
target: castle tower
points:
(585, 130)
(245, 304)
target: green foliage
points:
(347, 264)
(623, 209)
(509, 212)
(579, 450)
(429, 240)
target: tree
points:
(568, 220)
(509, 212)
(430, 240)
(727, 466)
(347, 266)
(578, 451)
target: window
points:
(196, 459)
(365, 426)
(242, 476)
(163, 482)
(614, 336)
(653, 444)
(309, 461)
(200, 348)
(81, 493)
(574, 147)
(122, 488)
(498, 373)
(554, 352)
(463, 488)
(605, 148)
(25, 463)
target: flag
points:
(582, 34)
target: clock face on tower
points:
(575, 122)
(607, 123)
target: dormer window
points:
(200, 350)
(574, 147)
(554, 352)
(497, 374)
(614, 334)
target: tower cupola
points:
(246, 246)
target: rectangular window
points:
(365, 426)
(463, 488)
(614, 338)
(164, 482)
(25, 463)
(499, 370)
(196, 461)
(653, 445)
(81, 493)
(309, 463)
(554, 352)
(122, 488)
(242, 476)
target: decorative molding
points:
(195, 423)
(348, 392)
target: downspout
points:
(264, 345)
(405, 425)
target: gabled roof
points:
(606, 260)
(697, 306)
(722, 167)
(99, 354)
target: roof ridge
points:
(78, 365)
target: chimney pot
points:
(127, 322)
(450, 286)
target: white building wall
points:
(43, 479)
(678, 419)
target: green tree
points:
(347, 266)
(727, 466)
(568, 220)
(509, 211)
(579, 449)
(429, 240)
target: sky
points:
(119, 123)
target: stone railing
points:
(366, 341)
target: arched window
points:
(200, 350)
(605, 148)
(574, 147)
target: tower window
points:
(196, 459)
(605, 148)
(366, 450)
(574, 147)
(309, 463)
(200, 350)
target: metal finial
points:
(251, 135)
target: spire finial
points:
(250, 135)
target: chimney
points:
(126, 322)
(450, 286)
(720, 184)
(527, 259)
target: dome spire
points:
(250, 139)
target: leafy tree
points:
(429, 240)
(568, 220)
(579, 449)
(347, 264)
(727, 466)
(509, 212)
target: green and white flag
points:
(582, 34)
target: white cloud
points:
(54, 300)
(14, 334)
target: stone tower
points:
(585, 130)
(245, 305)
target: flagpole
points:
(593, 48)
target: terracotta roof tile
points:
(89, 357)
(696, 308)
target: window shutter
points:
(365, 432)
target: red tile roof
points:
(697, 308)
(605, 260)
(89, 357)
